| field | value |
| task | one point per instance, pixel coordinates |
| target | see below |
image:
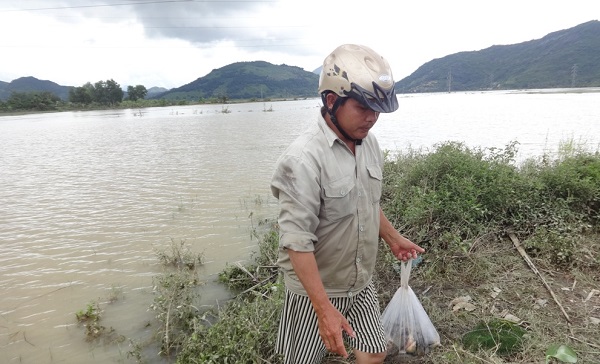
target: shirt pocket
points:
(375, 178)
(337, 199)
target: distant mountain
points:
(153, 91)
(4, 93)
(249, 80)
(566, 58)
(30, 84)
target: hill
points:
(153, 91)
(248, 80)
(566, 58)
(31, 84)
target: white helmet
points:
(360, 73)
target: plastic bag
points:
(407, 326)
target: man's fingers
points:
(339, 347)
(335, 344)
(346, 327)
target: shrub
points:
(452, 190)
(449, 198)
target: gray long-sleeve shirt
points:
(329, 205)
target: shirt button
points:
(342, 192)
(362, 228)
(358, 260)
(350, 294)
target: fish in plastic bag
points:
(407, 326)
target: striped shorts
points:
(298, 338)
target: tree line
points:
(107, 92)
(103, 93)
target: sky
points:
(170, 43)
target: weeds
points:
(179, 255)
(90, 318)
(176, 295)
(246, 328)
(263, 270)
(502, 336)
(459, 204)
(244, 333)
(451, 197)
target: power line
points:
(138, 3)
(84, 46)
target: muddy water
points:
(87, 198)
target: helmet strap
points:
(338, 102)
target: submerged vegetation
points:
(509, 276)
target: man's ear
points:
(330, 100)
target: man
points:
(328, 183)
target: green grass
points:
(460, 204)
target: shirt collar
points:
(329, 134)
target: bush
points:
(452, 191)
(449, 198)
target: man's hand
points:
(404, 249)
(331, 325)
(331, 322)
(401, 247)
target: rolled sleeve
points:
(329, 205)
(296, 186)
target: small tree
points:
(136, 93)
(114, 92)
(82, 95)
(100, 93)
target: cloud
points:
(172, 42)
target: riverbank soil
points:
(491, 281)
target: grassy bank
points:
(511, 267)
(470, 209)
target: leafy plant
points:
(90, 318)
(503, 336)
(91, 313)
(562, 353)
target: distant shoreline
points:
(575, 90)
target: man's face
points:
(356, 119)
